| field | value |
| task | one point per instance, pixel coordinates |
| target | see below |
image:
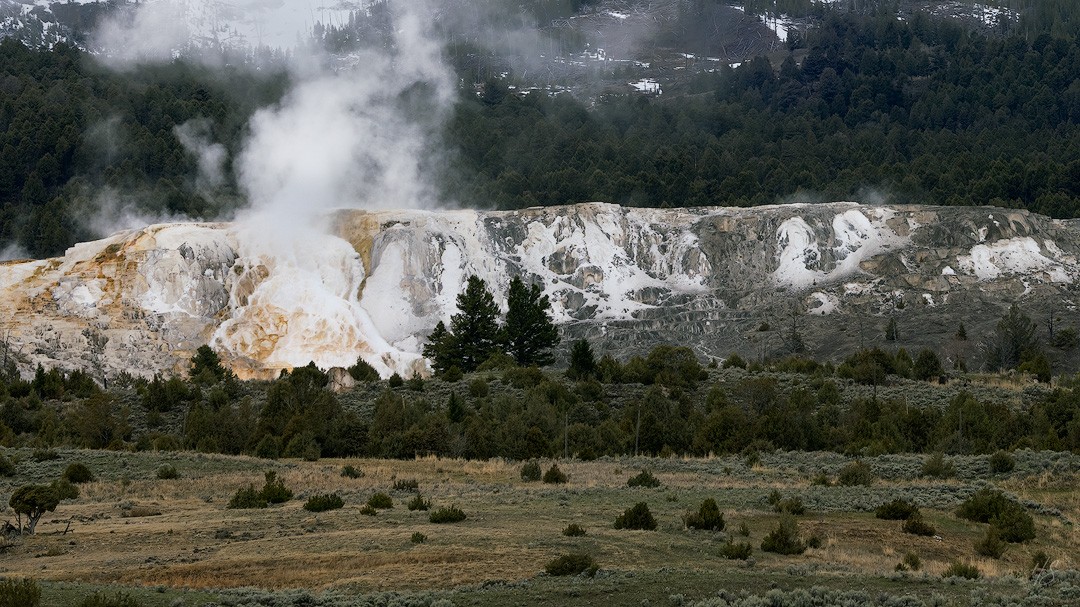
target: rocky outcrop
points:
(717, 279)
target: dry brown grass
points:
(512, 529)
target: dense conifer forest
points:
(863, 106)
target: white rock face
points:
(625, 278)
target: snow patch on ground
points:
(1021, 255)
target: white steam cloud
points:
(194, 135)
(353, 131)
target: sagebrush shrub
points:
(530, 472)
(406, 484)
(636, 517)
(574, 530)
(322, 503)
(937, 466)
(555, 476)
(418, 538)
(791, 505)
(572, 564)
(367, 510)
(19, 593)
(896, 510)
(380, 501)
(418, 503)
(643, 479)
(453, 514)
(856, 473)
(784, 539)
(964, 570)
(991, 544)
(732, 551)
(77, 472)
(120, 599)
(168, 472)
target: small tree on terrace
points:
(530, 334)
(1015, 341)
(474, 331)
(33, 501)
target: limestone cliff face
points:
(142, 301)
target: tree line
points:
(865, 106)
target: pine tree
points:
(530, 333)
(582, 361)
(891, 331)
(439, 348)
(475, 327)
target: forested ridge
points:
(863, 107)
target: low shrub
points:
(732, 551)
(1002, 462)
(44, 455)
(992, 506)
(380, 501)
(896, 510)
(418, 538)
(406, 484)
(530, 472)
(744, 529)
(936, 466)
(821, 480)
(555, 476)
(643, 479)
(791, 505)
(7, 467)
(573, 530)
(77, 473)
(65, 489)
(168, 472)
(478, 388)
(991, 544)
(418, 503)
(322, 503)
(636, 517)
(1040, 560)
(814, 541)
(856, 473)
(247, 497)
(915, 525)
(349, 471)
(274, 490)
(120, 599)
(910, 562)
(784, 539)
(453, 514)
(572, 564)
(19, 593)
(962, 570)
(708, 517)
(367, 510)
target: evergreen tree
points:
(530, 334)
(440, 348)
(582, 361)
(1015, 341)
(475, 328)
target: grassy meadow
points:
(175, 542)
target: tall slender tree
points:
(475, 328)
(530, 333)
